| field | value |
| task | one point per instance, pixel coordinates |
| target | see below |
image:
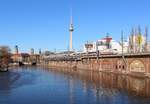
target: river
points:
(37, 85)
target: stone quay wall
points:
(130, 64)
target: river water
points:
(35, 85)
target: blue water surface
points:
(37, 85)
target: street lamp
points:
(97, 51)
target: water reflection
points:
(133, 85)
(32, 85)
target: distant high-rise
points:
(71, 29)
(16, 49)
(32, 51)
(40, 52)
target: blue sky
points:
(44, 23)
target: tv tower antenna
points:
(71, 29)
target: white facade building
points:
(102, 46)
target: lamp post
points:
(123, 58)
(97, 51)
(87, 47)
(122, 43)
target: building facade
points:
(106, 46)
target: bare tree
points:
(4, 58)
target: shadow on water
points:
(14, 79)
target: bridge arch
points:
(137, 66)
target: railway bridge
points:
(138, 64)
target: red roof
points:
(108, 39)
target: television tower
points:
(71, 29)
